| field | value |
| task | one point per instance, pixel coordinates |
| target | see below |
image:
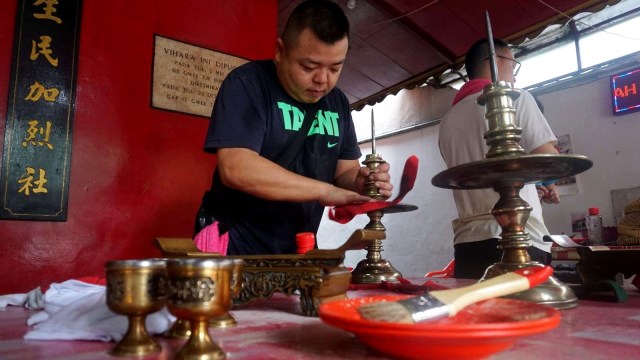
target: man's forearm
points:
(247, 171)
(347, 179)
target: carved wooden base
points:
(314, 285)
(317, 276)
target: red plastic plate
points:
(477, 331)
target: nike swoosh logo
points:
(330, 145)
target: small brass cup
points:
(199, 290)
(136, 288)
(227, 320)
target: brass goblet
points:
(136, 288)
(227, 320)
(181, 328)
(198, 290)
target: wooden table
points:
(273, 329)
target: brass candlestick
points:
(374, 269)
(507, 169)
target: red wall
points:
(136, 173)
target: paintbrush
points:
(434, 305)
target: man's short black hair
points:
(478, 52)
(325, 18)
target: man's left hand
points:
(381, 177)
(548, 194)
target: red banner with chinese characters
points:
(37, 146)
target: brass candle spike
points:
(492, 50)
(373, 134)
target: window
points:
(597, 47)
(614, 42)
(548, 64)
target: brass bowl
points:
(199, 290)
(136, 288)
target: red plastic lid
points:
(305, 242)
(594, 211)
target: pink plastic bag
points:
(210, 240)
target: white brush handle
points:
(505, 284)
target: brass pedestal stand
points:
(374, 269)
(507, 169)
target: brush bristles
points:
(387, 312)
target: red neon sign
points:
(625, 92)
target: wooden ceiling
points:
(401, 43)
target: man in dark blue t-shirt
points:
(258, 113)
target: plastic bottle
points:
(595, 231)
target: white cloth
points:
(78, 310)
(12, 299)
(461, 141)
(30, 300)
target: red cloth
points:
(470, 87)
(344, 214)
(95, 280)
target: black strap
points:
(309, 115)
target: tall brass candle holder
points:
(507, 169)
(135, 288)
(199, 290)
(374, 269)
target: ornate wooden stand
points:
(317, 276)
